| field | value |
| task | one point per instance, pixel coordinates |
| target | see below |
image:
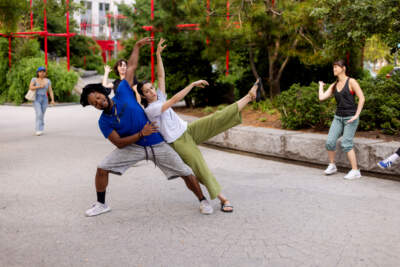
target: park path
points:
(285, 214)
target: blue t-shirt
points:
(127, 117)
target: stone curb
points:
(307, 147)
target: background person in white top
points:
(184, 138)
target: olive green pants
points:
(200, 131)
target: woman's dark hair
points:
(91, 88)
(140, 91)
(341, 63)
(117, 64)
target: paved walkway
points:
(285, 214)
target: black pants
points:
(398, 152)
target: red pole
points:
(31, 15)
(227, 50)
(152, 43)
(9, 51)
(152, 58)
(45, 36)
(227, 60)
(68, 66)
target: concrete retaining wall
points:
(307, 147)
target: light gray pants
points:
(161, 154)
(338, 128)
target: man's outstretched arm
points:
(134, 59)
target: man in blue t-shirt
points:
(124, 123)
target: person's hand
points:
(149, 128)
(352, 119)
(160, 46)
(40, 84)
(200, 83)
(107, 69)
(52, 103)
(321, 83)
(144, 41)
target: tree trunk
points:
(188, 102)
(254, 70)
(274, 87)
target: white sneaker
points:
(205, 207)
(331, 169)
(97, 209)
(38, 133)
(353, 174)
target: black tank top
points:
(346, 103)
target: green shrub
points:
(263, 119)
(85, 53)
(3, 68)
(20, 75)
(222, 106)
(384, 70)
(208, 110)
(382, 105)
(264, 105)
(300, 108)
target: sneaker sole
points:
(353, 178)
(206, 213)
(330, 173)
(87, 215)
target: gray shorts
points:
(161, 154)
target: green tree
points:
(281, 30)
(347, 25)
(183, 60)
(11, 12)
(376, 49)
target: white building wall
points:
(99, 27)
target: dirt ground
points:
(263, 119)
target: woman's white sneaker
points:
(97, 209)
(331, 169)
(353, 174)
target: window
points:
(86, 17)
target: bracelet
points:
(140, 134)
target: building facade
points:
(94, 21)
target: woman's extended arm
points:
(107, 71)
(160, 66)
(138, 98)
(324, 95)
(182, 93)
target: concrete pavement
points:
(285, 214)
